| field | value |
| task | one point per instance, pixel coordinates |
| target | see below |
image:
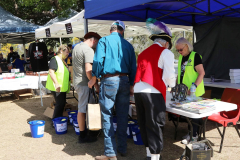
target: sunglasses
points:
(180, 50)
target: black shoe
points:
(149, 158)
(122, 154)
(87, 139)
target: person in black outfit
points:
(12, 56)
(51, 54)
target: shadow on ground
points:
(172, 148)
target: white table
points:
(28, 82)
(221, 84)
(220, 106)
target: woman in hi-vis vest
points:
(58, 79)
(190, 70)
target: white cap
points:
(119, 23)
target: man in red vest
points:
(155, 72)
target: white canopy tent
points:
(102, 27)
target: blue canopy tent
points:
(215, 22)
(15, 30)
(178, 12)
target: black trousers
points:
(151, 117)
(60, 98)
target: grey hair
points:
(159, 40)
(184, 41)
(116, 27)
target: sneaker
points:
(184, 137)
(187, 140)
(103, 157)
(122, 154)
(87, 139)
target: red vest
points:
(148, 70)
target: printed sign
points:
(40, 130)
(69, 28)
(48, 33)
(61, 127)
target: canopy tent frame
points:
(210, 9)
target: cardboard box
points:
(134, 110)
(199, 154)
(49, 110)
(207, 94)
(24, 93)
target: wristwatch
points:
(195, 85)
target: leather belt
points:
(113, 75)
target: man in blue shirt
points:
(115, 63)
(19, 64)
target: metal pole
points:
(85, 26)
(60, 41)
(193, 38)
(24, 51)
(184, 34)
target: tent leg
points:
(60, 40)
(25, 56)
(85, 26)
(24, 51)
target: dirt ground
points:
(16, 141)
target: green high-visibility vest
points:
(190, 75)
(62, 75)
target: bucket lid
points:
(60, 118)
(36, 122)
(131, 122)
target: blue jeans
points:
(114, 91)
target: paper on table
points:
(235, 70)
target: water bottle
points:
(192, 92)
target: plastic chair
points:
(225, 118)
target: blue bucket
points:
(37, 128)
(71, 114)
(129, 128)
(60, 125)
(115, 124)
(136, 135)
(76, 127)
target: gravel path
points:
(16, 141)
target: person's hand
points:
(96, 87)
(57, 86)
(131, 91)
(189, 92)
(91, 83)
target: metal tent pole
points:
(60, 41)
(24, 51)
(85, 26)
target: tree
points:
(41, 11)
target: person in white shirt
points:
(155, 72)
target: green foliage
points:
(41, 11)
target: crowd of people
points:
(14, 61)
(112, 60)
